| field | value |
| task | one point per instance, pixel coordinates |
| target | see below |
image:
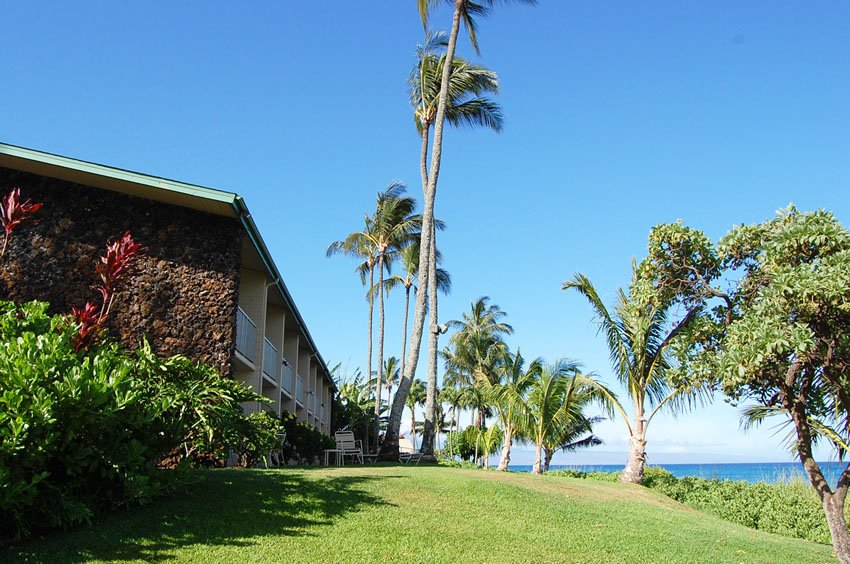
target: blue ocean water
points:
(769, 472)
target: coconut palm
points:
(466, 106)
(394, 226)
(487, 442)
(557, 398)
(360, 245)
(391, 375)
(464, 9)
(408, 257)
(570, 436)
(508, 396)
(452, 397)
(415, 397)
(639, 336)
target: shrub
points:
(74, 428)
(83, 430)
(462, 443)
(258, 435)
(791, 509)
(304, 443)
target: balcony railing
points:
(271, 360)
(246, 334)
(286, 377)
(299, 389)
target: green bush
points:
(791, 509)
(85, 431)
(304, 443)
(462, 443)
(259, 434)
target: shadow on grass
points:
(225, 507)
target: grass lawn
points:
(418, 514)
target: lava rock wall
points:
(184, 294)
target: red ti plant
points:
(13, 213)
(113, 269)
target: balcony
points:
(299, 390)
(286, 377)
(246, 335)
(271, 360)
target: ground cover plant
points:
(787, 508)
(413, 514)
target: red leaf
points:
(13, 212)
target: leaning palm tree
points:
(466, 106)
(408, 258)
(639, 338)
(570, 436)
(464, 9)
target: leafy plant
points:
(14, 212)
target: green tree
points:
(571, 435)
(463, 9)
(488, 441)
(508, 396)
(556, 400)
(640, 334)
(466, 106)
(414, 398)
(781, 336)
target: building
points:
(207, 286)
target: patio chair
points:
(346, 445)
(407, 453)
(275, 457)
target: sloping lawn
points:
(413, 514)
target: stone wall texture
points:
(185, 293)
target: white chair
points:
(407, 453)
(346, 445)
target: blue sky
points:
(619, 116)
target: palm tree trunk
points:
(538, 456)
(379, 382)
(413, 425)
(404, 331)
(389, 450)
(633, 472)
(548, 459)
(371, 330)
(505, 459)
(429, 432)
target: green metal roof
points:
(173, 192)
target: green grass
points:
(418, 514)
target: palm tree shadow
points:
(224, 507)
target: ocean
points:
(769, 472)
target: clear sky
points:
(619, 115)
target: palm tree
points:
(639, 336)
(572, 435)
(414, 398)
(358, 405)
(557, 398)
(508, 395)
(464, 9)
(465, 106)
(487, 442)
(409, 259)
(391, 375)
(394, 227)
(451, 396)
(360, 245)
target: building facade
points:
(206, 286)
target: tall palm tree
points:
(466, 106)
(394, 226)
(639, 337)
(360, 245)
(414, 398)
(391, 375)
(464, 9)
(408, 258)
(558, 398)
